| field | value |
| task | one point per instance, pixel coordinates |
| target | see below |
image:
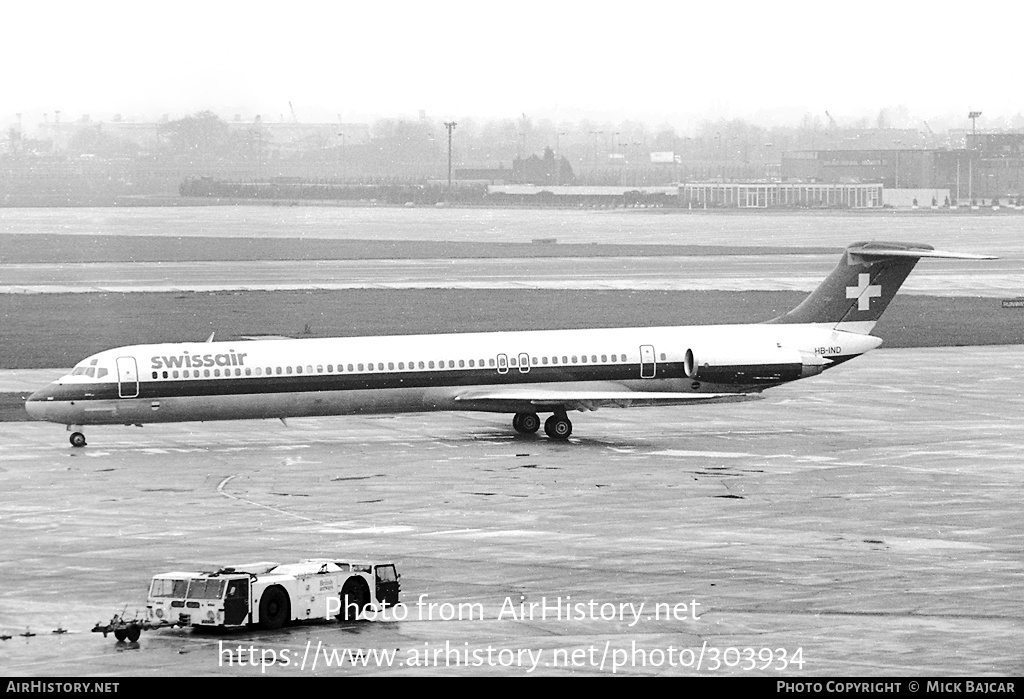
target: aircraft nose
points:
(38, 403)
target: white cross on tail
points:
(864, 292)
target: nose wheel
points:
(77, 439)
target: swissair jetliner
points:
(523, 373)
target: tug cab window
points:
(168, 588)
(205, 588)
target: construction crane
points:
(295, 119)
(831, 122)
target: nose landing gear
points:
(77, 439)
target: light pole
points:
(343, 163)
(450, 125)
(558, 156)
(973, 116)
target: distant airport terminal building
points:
(761, 195)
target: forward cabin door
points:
(127, 377)
(236, 602)
(648, 366)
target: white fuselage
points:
(513, 372)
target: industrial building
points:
(991, 166)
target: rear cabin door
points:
(127, 377)
(236, 602)
(524, 363)
(648, 367)
(387, 585)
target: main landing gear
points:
(557, 426)
(526, 423)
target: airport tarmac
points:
(978, 232)
(990, 278)
(869, 517)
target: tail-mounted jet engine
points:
(750, 365)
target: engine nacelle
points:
(765, 364)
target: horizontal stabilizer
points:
(882, 250)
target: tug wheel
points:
(275, 609)
(355, 597)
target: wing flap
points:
(581, 399)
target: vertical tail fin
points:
(857, 292)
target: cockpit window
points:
(91, 370)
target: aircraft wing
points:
(520, 399)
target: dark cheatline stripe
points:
(300, 383)
(839, 359)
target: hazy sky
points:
(653, 61)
